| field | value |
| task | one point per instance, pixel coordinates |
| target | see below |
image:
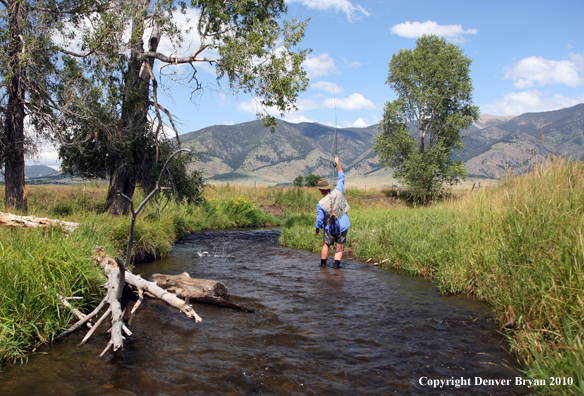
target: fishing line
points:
(334, 147)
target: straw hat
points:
(323, 184)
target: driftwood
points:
(200, 290)
(9, 219)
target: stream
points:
(357, 330)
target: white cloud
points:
(320, 65)
(362, 122)
(355, 101)
(327, 87)
(536, 70)
(416, 29)
(298, 118)
(516, 103)
(352, 64)
(353, 12)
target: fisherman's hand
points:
(316, 231)
(337, 161)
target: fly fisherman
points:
(331, 214)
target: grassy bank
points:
(38, 264)
(518, 246)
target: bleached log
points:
(163, 295)
(112, 295)
(200, 290)
(9, 219)
(194, 288)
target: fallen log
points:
(12, 220)
(199, 290)
(110, 267)
(191, 287)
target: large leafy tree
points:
(434, 94)
(28, 58)
(252, 52)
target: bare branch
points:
(83, 321)
(169, 116)
(176, 60)
(99, 322)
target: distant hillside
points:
(231, 151)
(516, 144)
(248, 152)
(35, 171)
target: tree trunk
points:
(121, 181)
(13, 139)
(133, 126)
(134, 120)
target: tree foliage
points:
(28, 66)
(243, 40)
(311, 180)
(299, 181)
(434, 92)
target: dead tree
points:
(118, 275)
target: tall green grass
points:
(35, 266)
(38, 264)
(518, 246)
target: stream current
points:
(358, 330)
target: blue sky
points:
(528, 56)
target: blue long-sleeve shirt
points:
(344, 220)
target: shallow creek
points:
(358, 330)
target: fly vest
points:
(335, 206)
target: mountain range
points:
(494, 145)
(36, 171)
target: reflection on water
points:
(358, 330)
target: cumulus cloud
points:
(536, 70)
(351, 11)
(320, 65)
(327, 86)
(454, 33)
(298, 118)
(516, 103)
(361, 122)
(355, 101)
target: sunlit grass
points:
(518, 246)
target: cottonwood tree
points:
(311, 180)
(434, 91)
(299, 181)
(28, 58)
(251, 51)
